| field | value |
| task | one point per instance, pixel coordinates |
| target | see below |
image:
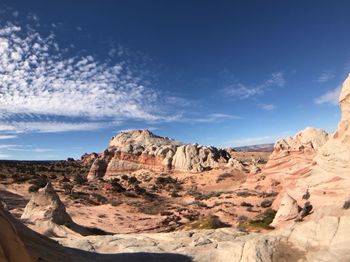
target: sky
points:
(223, 73)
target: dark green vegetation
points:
(206, 222)
(38, 173)
(262, 221)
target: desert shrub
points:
(269, 194)
(174, 193)
(166, 213)
(100, 199)
(199, 203)
(223, 176)
(125, 177)
(264, 220)
(165, 180)
(53, 176)
(80, 179)
(244, 194)
(130, 194)
(132, 180)
(152, 208)
(346, 204)
(266, 203)
(207, 195)
(65, 179)
(139, 190)
(20, 178)
(246, 204)
(68, 188)
(38, 183)
(116, 187)
(115, 202)
(207, 222)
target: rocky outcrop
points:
(309, 139)
(336, 152)
(329, 178)
(11, 245)
(88, 159)
(45, 205)
(45, 213)
(198, 158)
(288, 210)
(141, 149)
(323, 240)
(236, 164)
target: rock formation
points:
(234, 163)
(45, 205)
(310, 139)
(138, 149)
(47, 214)
(323, 240)
(288, 210)
(315, 161)
(11, 245)
(330, 173)
(336, 152)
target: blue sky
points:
(222, 73)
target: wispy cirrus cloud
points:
(267, 107)
(8, 149)
(243, 91)
(210, 118)
(330, 97)
(326, 76)
(4, 137)
(53, 126)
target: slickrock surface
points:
(323, 240)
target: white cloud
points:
(54, 126)
(330, 97)
(38, 79)
(5, 146)
(243, 91)
(267, 107)
(4, 156)
(325, 76)
(25, 148)
(3, 137)
(211, 118)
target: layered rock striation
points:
(139, 149)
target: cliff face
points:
(141, 149)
